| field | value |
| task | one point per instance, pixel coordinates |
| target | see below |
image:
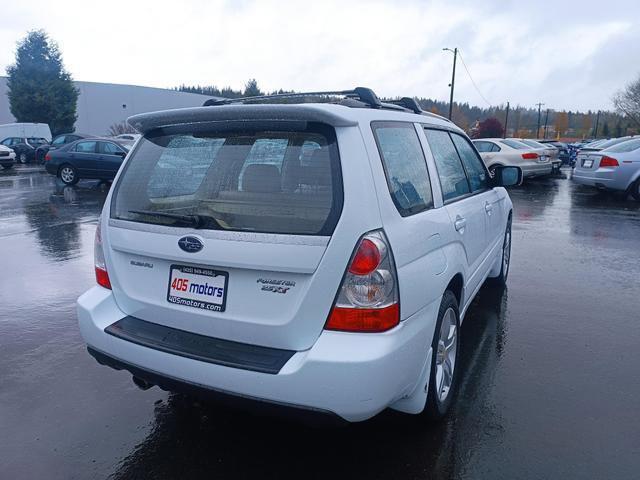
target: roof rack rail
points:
(363, 94)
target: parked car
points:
(323, 262)
(91, 158)
(563, 149)
(616, 168)
(57, 142)
(545, 150)
(24, 147)
(7, 157)
(499, 152)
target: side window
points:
(453, 179)
(86, 147)
(483, 146)
(495, 148)
(405, 166)
(476, 172)
(110, 148)
(59, 140)
(6, 142)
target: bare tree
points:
(628, 101)
(120, 128)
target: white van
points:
(315, 257)
(25, 130)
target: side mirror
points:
(507, 176)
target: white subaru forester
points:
(316, 257)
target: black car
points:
(96, 158)
(25, 148)
(58, 142)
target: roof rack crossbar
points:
(408, 103)
(365, 95)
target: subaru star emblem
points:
(190, 244)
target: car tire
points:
(68, 174)
(22, 158)
(501, 280)
(444, 360)
(635, 190)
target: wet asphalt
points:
(551, 385)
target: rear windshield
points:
(273, 180)
(515, 144)
(628, 146)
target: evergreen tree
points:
(605, 130)
(251, 88)
(40, 89)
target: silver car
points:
(616, 168)
(508, 152)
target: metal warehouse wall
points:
(100, 105)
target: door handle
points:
(488, 208)
(460, 223)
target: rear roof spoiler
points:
(146, 122)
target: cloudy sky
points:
(567, 54)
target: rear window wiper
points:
(195, 221)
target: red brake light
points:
(47, 157)
(608, 162)
(366, 259)
(369, 320)
(102, 276)
(530, 156)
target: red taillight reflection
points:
(530, 156)
(47, 157)
(102, 277)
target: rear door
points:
(84, 156)
(262, 264)
(466, 209)
(110, 159)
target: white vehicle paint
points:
(25, 130)
(341, 320)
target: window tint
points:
(59, 140)
(450, 171)
(476, 172)
(6, 142)
(483, 146)
(404, 165)
(249, 180)
(110, 148)
(495, 148)
(86, 147)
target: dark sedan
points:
(58, 142)
(93, 158)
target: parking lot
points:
(550, 386)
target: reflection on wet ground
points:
(549, 391)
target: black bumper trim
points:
(313, 416)
(200, 347)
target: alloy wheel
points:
(67, 175)
(446, 354)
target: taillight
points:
(608, 162)
(368, 297)
(47, 157)
(102, 276)
(530, 156)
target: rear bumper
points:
(537, 169)
(603, 178)
(352, 376)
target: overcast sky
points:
(567, 54)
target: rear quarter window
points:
(404, 165)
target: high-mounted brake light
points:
(368, 297)
(102, 276)
(609, 162)
(530, 156)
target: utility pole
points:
(595, 133)
(453, 79)
(546, 120)
(538, 129)
(506, 122)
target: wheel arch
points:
(456, 286)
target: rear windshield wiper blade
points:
(195, 221)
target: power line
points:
(472, 81)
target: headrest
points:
(262, 178)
